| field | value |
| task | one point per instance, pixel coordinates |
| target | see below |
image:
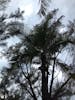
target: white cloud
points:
(28, 9)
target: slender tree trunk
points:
(52, 79)
(44, 70)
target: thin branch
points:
(26, 88)
(52, 79)
(34, 95)
(60, 88)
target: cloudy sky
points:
(66, 8)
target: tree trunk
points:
(44, 70)
(52, 79)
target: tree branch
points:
(34, 95)
(60, 88)
(52, 79)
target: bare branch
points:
(34, 95)
(52, 78)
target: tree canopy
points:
(34, 60)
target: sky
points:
(66, 8)
(30, 7)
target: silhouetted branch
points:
(34, 95)
(52, 79)
(60, 88)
